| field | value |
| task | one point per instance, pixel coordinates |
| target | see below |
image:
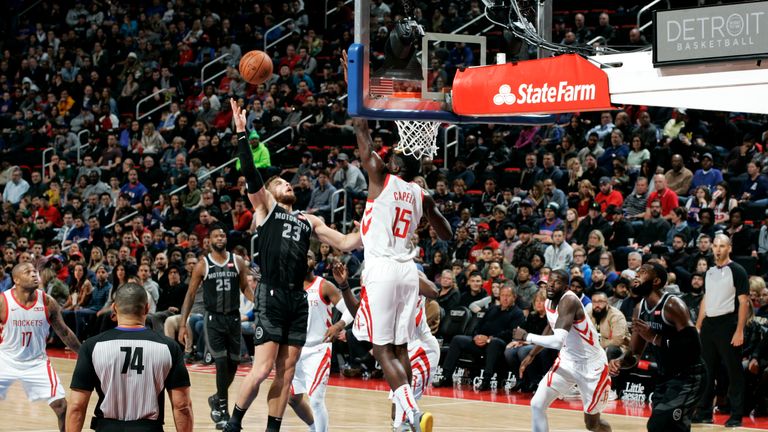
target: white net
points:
(417, 138)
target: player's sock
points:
(312, 428)
(319, 410)
(403, 397)
(222, 377)
(273, 424)
(237, 415)
(399, 415)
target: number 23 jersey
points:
(390, 220)
(282, 245)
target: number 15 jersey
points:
(391, 219)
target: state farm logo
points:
(532, 94)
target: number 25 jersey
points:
(390, 220)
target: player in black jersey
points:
(662, 321)
(281, 303)
(130, 367)
(223, 275)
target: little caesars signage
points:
(703, 34)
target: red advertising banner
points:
(565, 83)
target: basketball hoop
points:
(417, 138)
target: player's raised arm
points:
(326, 234)
(260, 198)
(371, 161)
(58, 325)
(189, 299)
(436, 219)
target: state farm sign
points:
(702, 34)
(565, 83)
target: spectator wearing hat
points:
(593, 221)
(607, 195)
(349, 177)
(261, 158)
(617, 149)
(483, 240)
(620, 292)
(488, 200)
(509, 242)
(528, 246)
(706, 175)
(559, 254)
(526, 216)
(621, 230)
(304, 168)
(549, 223)
(498, 220)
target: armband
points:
(554, 341)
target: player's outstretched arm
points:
(76, 410)
(260, 198)
(436, 219)
(58, 325)
(189, 299)
(326, 234)
(566, 314)
(350, 303)
(534, 352)
(371, 161)
(182, 409)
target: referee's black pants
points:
(716, 335)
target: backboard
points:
(382, 97)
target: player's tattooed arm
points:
(57, 322)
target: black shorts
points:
(281, 316)
(109, 425)
(222, 335)
(675, 400)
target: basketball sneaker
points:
(217, 413)
(230, 427)
(422, 422)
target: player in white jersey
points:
(314, 365)
(582, 361)
(390, 281)
(27, 314)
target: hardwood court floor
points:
(354, 405)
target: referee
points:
(722, 318)
(130, 366)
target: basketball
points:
(256, 67)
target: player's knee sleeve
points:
(319, 411)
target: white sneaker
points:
(572, 393)
(612, 395)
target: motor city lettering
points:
(289, 217)
(528, 93)
(27, 323)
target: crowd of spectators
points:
(123, 197)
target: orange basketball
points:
(256, 67)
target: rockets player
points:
(389, 300)
(582, 360)
(423, 350)
(27, 314)
(314, 365)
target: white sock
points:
(403, 397)
(399, 415)
(311, 428)
(541, 401)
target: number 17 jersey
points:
(390, 220)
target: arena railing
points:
(138, 105)
(447, 144)
(647, 8)
(268, 45)
(203, 79)
(335, 208)
(330, 11)
(80, 144)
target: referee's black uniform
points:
(129, 368)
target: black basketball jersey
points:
(129, 368)
(221, 285)
(283, 243)
(668, 363)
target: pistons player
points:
(27, 314)
(314, 365)
(389, 300)
(582, 360)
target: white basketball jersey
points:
(391, 219)
(583, 341)
(423, 332)
(25, 330)
(320, 313)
